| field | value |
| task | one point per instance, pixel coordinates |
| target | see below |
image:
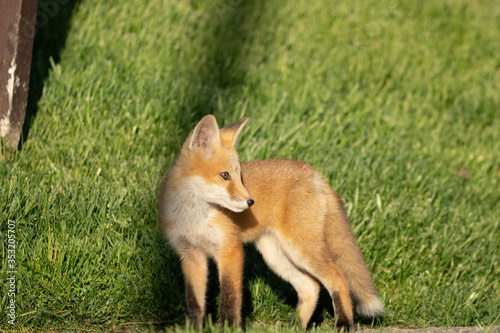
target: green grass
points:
(387, 99)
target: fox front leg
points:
(230, 265)
(194, 267)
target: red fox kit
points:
(210, 205)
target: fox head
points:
(211, 165)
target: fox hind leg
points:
(306, 286)
(329, 274)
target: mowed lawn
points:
(395, 103)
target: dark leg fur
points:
(230, 302)
(342, 319)
(194, 310)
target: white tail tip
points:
(373, 308)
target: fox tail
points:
(350, 260)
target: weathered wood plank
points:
(17, 28)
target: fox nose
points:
(250, 202)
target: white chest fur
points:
(190, 219)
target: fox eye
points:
(225, 175)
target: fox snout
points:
(237, 205)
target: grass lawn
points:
(396, 103)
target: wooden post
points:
(17, 29)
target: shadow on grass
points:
(52, 26)
(232, 22)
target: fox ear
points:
(205, 135)
(230, 134)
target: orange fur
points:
(298, 223)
